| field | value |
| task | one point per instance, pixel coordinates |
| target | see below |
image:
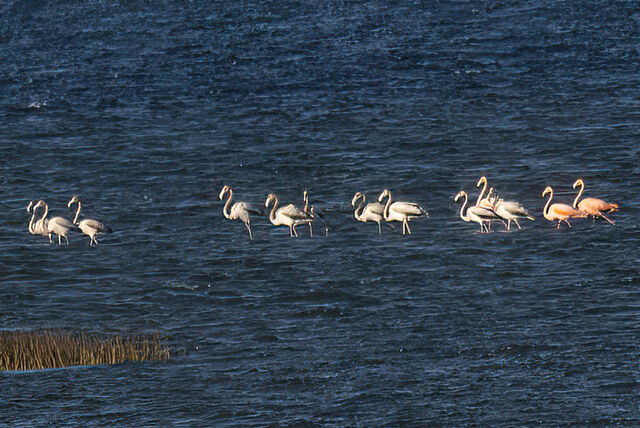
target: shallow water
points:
(145, 111)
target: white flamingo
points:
(289, 215)
(400, 211)
(88, 226)
(58, 225)
(373, 211)
(40, 226)
(480, 215)
(237, 211)
(312, 213)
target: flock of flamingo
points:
(487, 209)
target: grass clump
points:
(55, 348)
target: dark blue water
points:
(146, 109)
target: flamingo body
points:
(88, 226)
(401, 211)
(593, 206)
(560, 212)
(477, 214)
(288, 215)
(373, 211)
(238, 210)
(511, 211)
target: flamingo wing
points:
(293, 212)
(566, 210)
(483, 213)
(407, 208)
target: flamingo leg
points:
(508, 225)
(293, 227)
(613, 223)
(310, 230)
(408, 229)
(517, 224)
(379, 229)
(50, 240)
(248, 225)
(566, 220)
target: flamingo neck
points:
(575, 201)
(272, 214)
(75, 219)
(225, 210)
(359, 209)
(306, 203)
(32, 228)
(545, 210)
(463, 215)
(387, 207)
(484, 188)
(44, 215)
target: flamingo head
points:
(30, 205)
(40, 203)
(73, 200)
(384, 194)
(270, 198)
(548, 189)
(224, 190)
(459, 195)
(357, 196)
(578, 182)
(482, 180)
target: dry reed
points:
(55, 348)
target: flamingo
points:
(237, 211)
(560, 212)
(484, 202)
(58, 225)
(40, 226)
(311, 212)
(289, 215)
(511, 211)
(88, 226)
(373, 211)
(593, 206)
(480, 215)
(400, 211)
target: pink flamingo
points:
(560, 212)
(592, 206)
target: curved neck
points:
(387, 206)
(225, 210)
(32, 228)
(464, 215)
(75, 219)
(272, 214)
(360, 208)
(575, 201)
(545, 210)
(484, 188)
